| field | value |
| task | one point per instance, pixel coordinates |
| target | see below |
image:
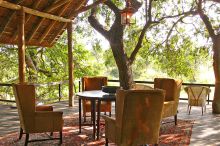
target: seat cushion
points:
(168, 109)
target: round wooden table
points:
(94, 96)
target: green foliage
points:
(8, 63)
(179, 55)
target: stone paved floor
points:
(206, 130)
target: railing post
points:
(208, 96)
(60, 91)
(79, 86)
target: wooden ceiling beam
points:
(52, 25)
(6, 21)
(57, 5)
(46, 15)
(28, 17)
(35, 29)
(13, 6)
(35, 6)
(32, 43)
(58, 33)
(71, 16)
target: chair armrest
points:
(44, 108)
(48, 121)
(110, 128)
(108, 119)
(48, 114)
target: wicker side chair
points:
(172, 89)
(94, 83)
(32, 119)
(138, 117)
(197, 96)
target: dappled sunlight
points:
(205, 127)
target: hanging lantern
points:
(126, 14)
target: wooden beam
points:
(28, 17)
(46, 15)
(35, 29)
(9, 5)
(58, 33)
(9, 17)
(52, 25)
(12, 6)
(33, 32)
(56, 5)
(70, 63)
(32, 43)
(71, 16)
(21, 45)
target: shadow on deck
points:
(206, 130)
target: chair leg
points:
(106, 141)
(51, 133)
(202, 110)
(21, 133)
(175, 119)
(189, 109)
(26, 139)
(110, 114)
(61, 137)
(84, 116)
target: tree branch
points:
(149, 11)
(205, 19)
(95, 4)
(190, 12)
(139, 44)
(96, 25)
(141, 37)
(112, 6)
(174, 24)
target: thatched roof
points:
(45, 20)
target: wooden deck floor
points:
(206, 130)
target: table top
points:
(95, 94)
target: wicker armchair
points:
(94, 83)
(197, 96)
(172, 89)
(31, 120)
(138, 117)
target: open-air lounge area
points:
(106, 72)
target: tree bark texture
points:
(123, 64)
(216, 67)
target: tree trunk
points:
(123, 63)
(216, 67)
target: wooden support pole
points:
(21, 45)
(70, 63)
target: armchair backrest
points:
(138, 116)
(197, 95)
(93, 83)
(171, 86)
(141, 87)
(25, 100)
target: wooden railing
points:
(9, 86)
(110, 81)
(184, 84)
